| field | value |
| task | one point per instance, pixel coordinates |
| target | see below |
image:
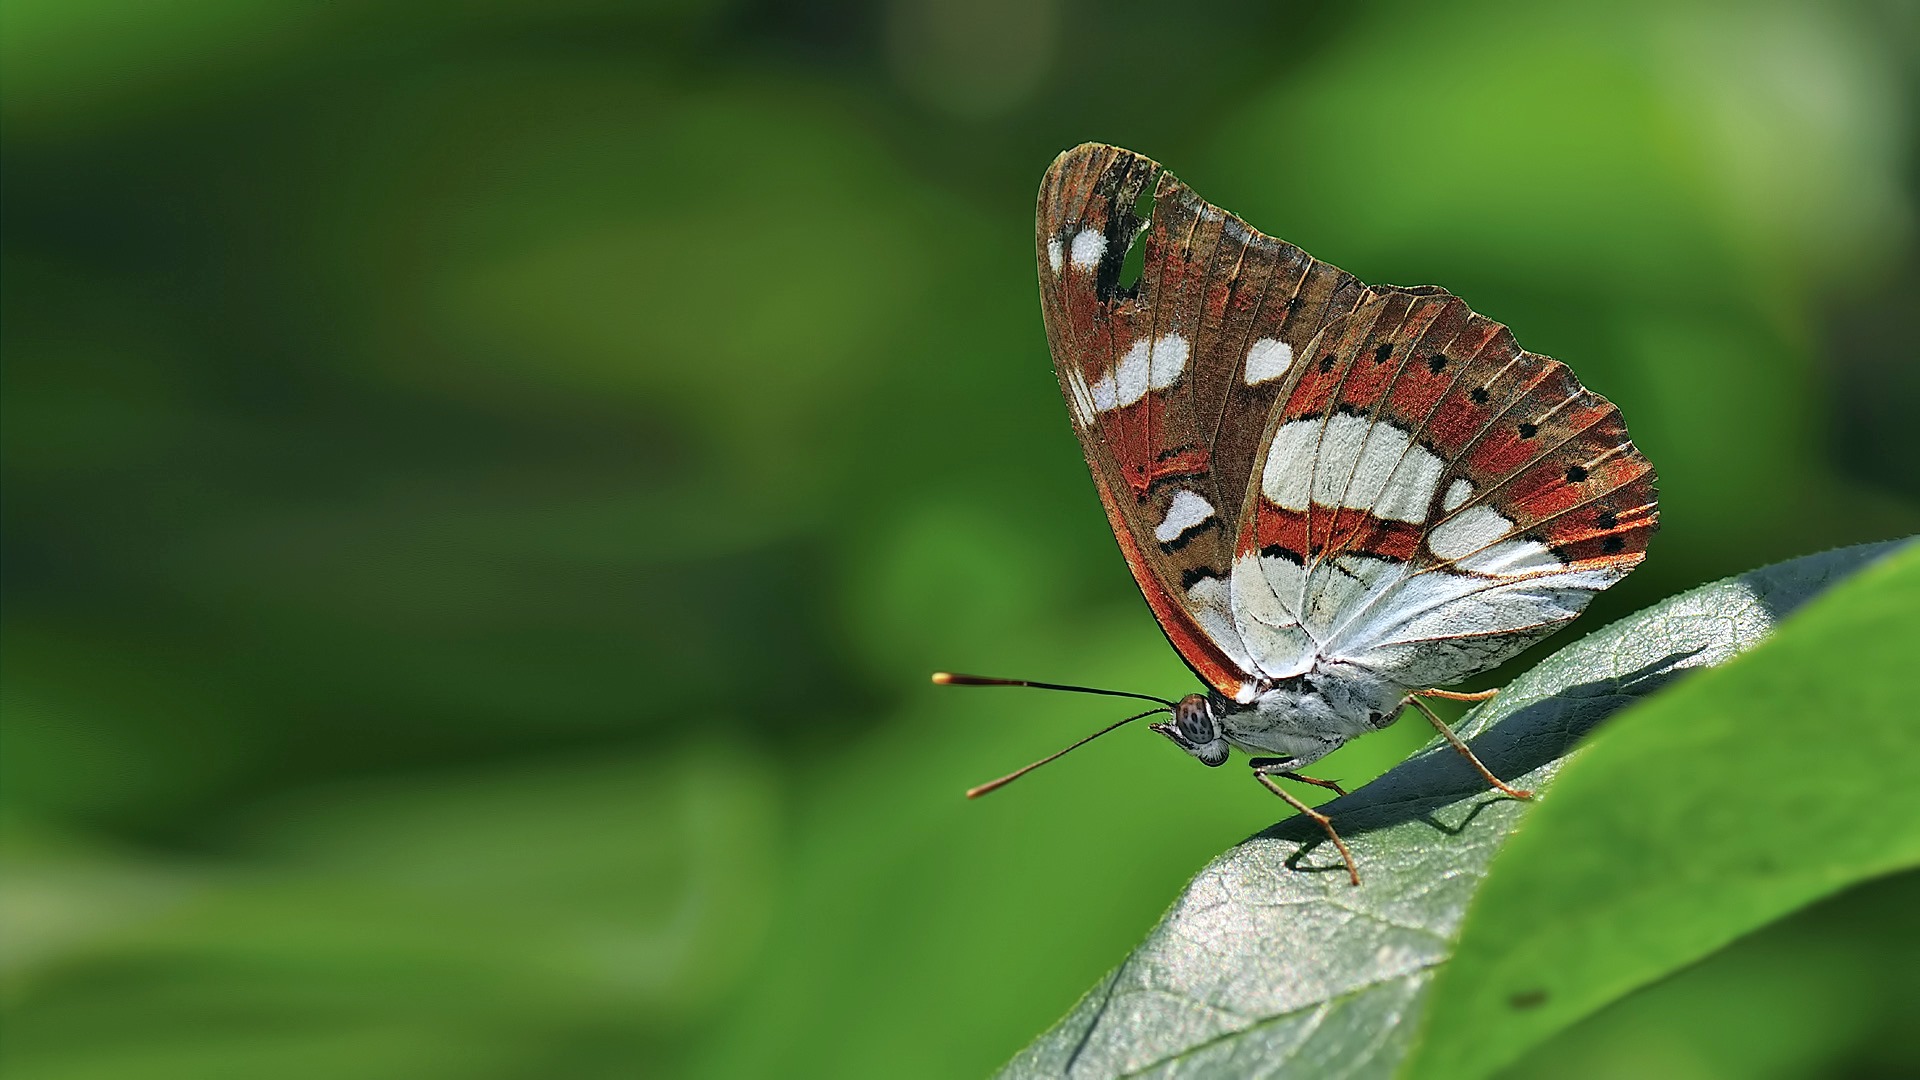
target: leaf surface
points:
(1271, 964)
(1708, 812)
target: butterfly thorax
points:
(1301, 719)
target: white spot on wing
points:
(1350, 461)
(1103, 393)
(1187, 511)
(1130, 375)
(1262, 589)
(1210, 601)
(1288, 473)
(1457, 492)
(1467, 532)
(1209, 592)
(1441, 626)
(1089, 246)
(1395, 477)
(1344, 586)
(1513, 557)
(1149, 364)
(1269, 358)
(1054, 255)
(1168, 360)
(1340, 446)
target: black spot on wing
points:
(1194, 575)
(1186, 537)
(1275, 551)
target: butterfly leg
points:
(1451, 695)
(1267, 764)
(1265, 769)
(1454, 740)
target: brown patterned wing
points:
(1170, 378)
(1431, 498)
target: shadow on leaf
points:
(1515, 745)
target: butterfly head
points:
(1195, 728)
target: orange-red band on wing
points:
(1195, 647)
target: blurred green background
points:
(485, 483)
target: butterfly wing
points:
(1299, 466)
(1162, 374)
(1432, 498)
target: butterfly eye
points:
(1196, 724)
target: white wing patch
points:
(1134, 372)
(1187, 511)
(1467, 532)
(1495, 594)
(1287, 476)
(1268, 359)
(1513, 558)
(1345, 584)
(1425, 627)
(1414, 627)
(1440, 627)
(1476, 539)
(1350, 461)
(1169, 360)
(1104, 394)
(1089, 245)
(1054, 255)
(1149, 364)
(1210, 600)
(1263, 615)
(1395, 478)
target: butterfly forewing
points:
(1162, 374)
(1299, 467)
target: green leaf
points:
(1271, 962)
(1732, 801)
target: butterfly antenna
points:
(948, 678)
(991, 785)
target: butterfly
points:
(1336, 497)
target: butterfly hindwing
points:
(1433, 498)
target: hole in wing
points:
(1129, 214)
